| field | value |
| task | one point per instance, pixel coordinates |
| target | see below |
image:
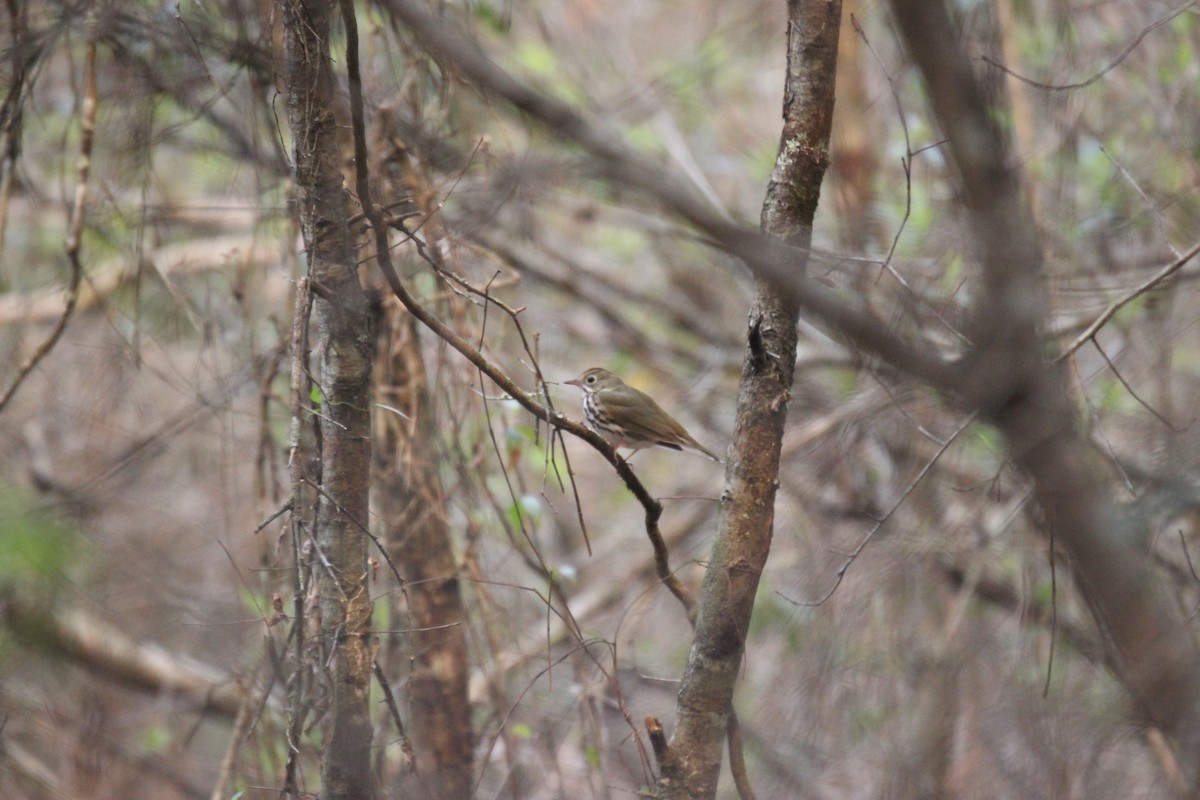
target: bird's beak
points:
(574, 382)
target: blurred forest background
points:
(147, 568)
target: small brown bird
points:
(626, 417)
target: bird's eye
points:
(591, 379)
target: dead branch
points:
(107, 651)
(75, 235)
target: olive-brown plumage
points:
(626, 417)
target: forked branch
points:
(530, 401)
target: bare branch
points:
(105, 650)
(1065, 87)
(857, 551)
(1028, 400)
(530, 401)
(1116, 305)
(1134, 394)
(75, 235)
(769, 258)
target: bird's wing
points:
(651, 422)
(660, 426)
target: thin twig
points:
(769, 258)
(1188, 556)
(854, 554)
(12, 110)
(299, 392)
(1051, 87)
(906, 161)
(363, 528)
(1158, 217)
(512, 492)
(906, 165)
(1132, 393)
(389, 700)
(74, 242)
(1053, 612)
(530, 401)
(583, 644)
(737, 757)
(276, 514)
(1105, 443)
(1121, 302)
(241, 727)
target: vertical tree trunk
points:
(693, 760)
(1006, 377)
(346, 346)
(412, 503)
(854, 163)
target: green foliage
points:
(619, 242)
(1111, 396)
(985, 445)
(759, 162)
(644, 138)
(922, 216)
(36, 548)
(156, 739)
(692, 78)
(493, 19)
(518, 436)
(773, 615)
(382, 614)
(1043, 594)
(1095, 172)
(535, 60)
(952, 273)
(844, 382)
(527, 507)
(254, 602)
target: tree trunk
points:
(412, 503)
(854, 161)
(346, 346)
(1009, 381)
(693, 761)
